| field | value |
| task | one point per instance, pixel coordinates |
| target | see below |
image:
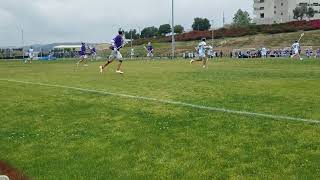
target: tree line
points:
(199, 24)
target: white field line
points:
(245, 113)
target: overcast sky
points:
(47, 21)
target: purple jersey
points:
(83, 50)
(93, 50)
(150, 48)
(118, 42)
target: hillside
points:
(311, 38)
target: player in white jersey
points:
(30, 55)
(202, 47)
(264, 52)
(296, 50)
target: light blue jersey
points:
(202, 49)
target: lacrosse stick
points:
(300, 37)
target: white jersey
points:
(263, 51)
(296, 46)
(202, 49)
(30, 53)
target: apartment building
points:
(281, 11)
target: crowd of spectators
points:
(273, 53)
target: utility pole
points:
(131, 44)
(172, 27)
(22, 40)
(139, 32)
(223, 19)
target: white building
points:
(281, 11)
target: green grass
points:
(57, 133)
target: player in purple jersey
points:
(93, 53)
(149, 49)
(83, 55)
(116, 44)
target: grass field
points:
(54, 131)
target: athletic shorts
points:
(296, 51)
(150, 54)
(83, 56)
(202, 55)
(115, 54)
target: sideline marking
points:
(270, 116)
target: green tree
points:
(178, 29)
(310, 12)
(135, 35)
(149, 32)
(201, 24)
(164, 29)
(300, 11)
(241, 18)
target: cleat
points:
(120, 72)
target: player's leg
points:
(294, 55)
(196, 59)
(109, 61)
(27, 59)
(112, 57)
(85, 60)
(81, 60)
(119, 58)
(119, 67)
(300, 56)
(204, 62)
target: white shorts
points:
(83, 56)
(202, 55)
(31, 56)
(296, 51)
(115, 54)
(150, 54)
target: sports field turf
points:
(53, 130)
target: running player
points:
(116, 44)
(149, 49)
(296, 50)
(264, 52)
(202, 47)
(93, 53)
(83, 55)
(30, 55)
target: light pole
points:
(22, 39)
(172, 26)
(131, 44)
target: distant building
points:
(67, 48)
(281, 11)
